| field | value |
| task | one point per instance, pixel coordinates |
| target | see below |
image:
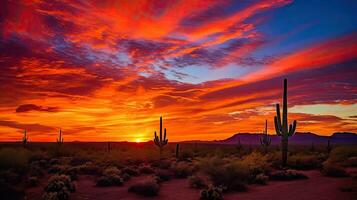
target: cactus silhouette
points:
(265, 140)
(25, 139)
(328, 147)
(160, 141)
(177, 152)
(109, 147)
(239, 146)
(312, 148)
(281, 125)
(60, 138)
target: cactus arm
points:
(277, 129)
(292, 128)
(278, 116)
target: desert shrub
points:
(287, 175)
(212, 193)
(130, 171)
(352, 161)
(10, 176)
(256, 163)
(35, 169)
(54, 161)
(146, 170)
(196, 181)
(182, 169)
(342, 153)
(111, 176)
(333, 169)
(32, 181)
(14, 158)
(59, 187)
(162, 164)
(75, 161)
(274, 158)
(89, 168)
(261, 179)
(147, 187)
(163, 175)
(38, 156)
(304, 162)
(231, 175)
(56, 169)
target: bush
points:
(287, 175)
(163, 175)
(146, 170)
(10, 176)
(261, 179)
(162, 164)
(256, 163)
(79, 161)
(197, 182)
(334, 170)
(56, 169)
(111, 176)
(130, 171)
(32, 181)
(14, 158)
(59, 187)
(341, 154)
(89, 168)
(182, 169)
(147, 187)
(304, 162)
(212, 193)
(230, 175)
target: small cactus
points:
(329, 146)
(282, 127)
(60, 138)
(177, 152)
(265, 140)
(25, 139)
(160, 141)
(109, 148)
(239, 146)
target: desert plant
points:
(163, 174)
(146, 170)
(261, 179)
(60, 138)
(24, 139)
(177, 151)
(328, 147)
(212, 193)
(147, 187)
(32, 181)
(59, 187)
(239, 146)
(333, 169)
(196, 181)
(287, 175)
(265, 140)
(182, 169)
(110, 177)
(304, 162)
(160, 141)
(281, 125)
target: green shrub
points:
(59, 187)
(197, 182)
(212, 193)
(147, 187)
(341, 154)
(256, 163)
(333, 169)
(287, 175)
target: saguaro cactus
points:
(60, 138)
(109, 147)
(177, 152)
(160, 141)
(265, 140)
(281, 125)
(329, 147)
(25, 139)
(239, 146)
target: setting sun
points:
(138, 140)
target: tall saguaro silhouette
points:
(160, 141)
(281, 125)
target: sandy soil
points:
(316, 187)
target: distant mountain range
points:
(298, 139)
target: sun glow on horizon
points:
(138, 140)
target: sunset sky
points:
(107, 70)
